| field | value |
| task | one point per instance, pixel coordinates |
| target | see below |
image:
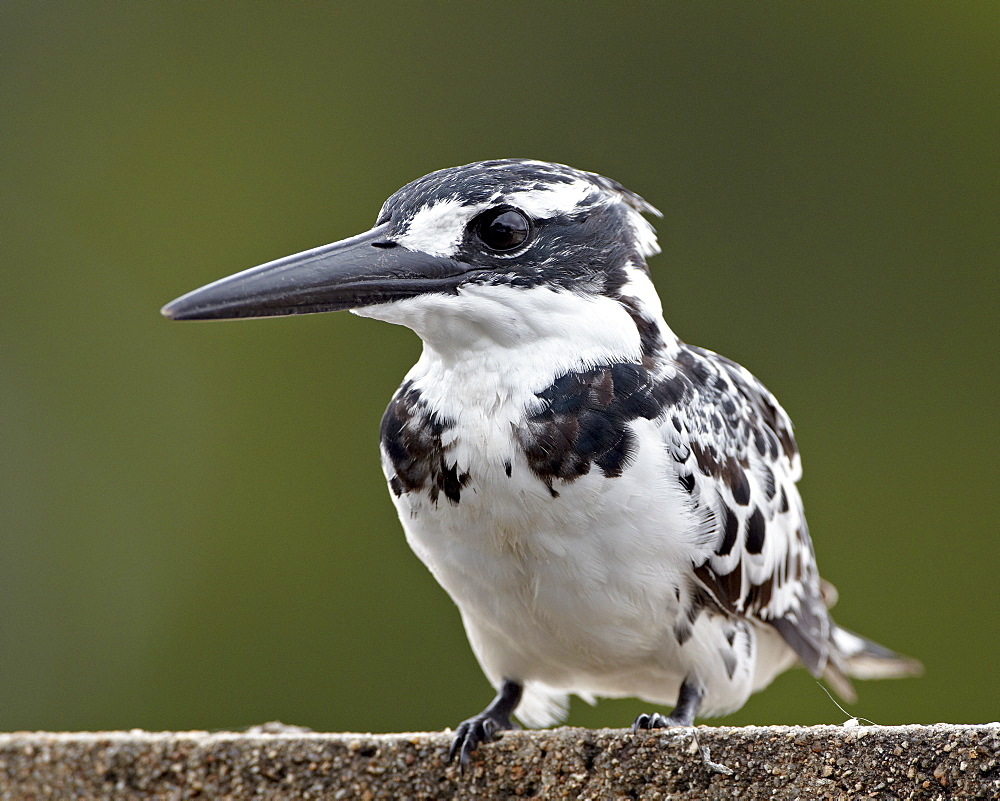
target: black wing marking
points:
(736, 456)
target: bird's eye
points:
(502, 229)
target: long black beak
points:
(360, 271)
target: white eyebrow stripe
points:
(561, 198)
(437, 228)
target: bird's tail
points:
(860, 658)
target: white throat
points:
(511, 342)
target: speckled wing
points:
(735, 455)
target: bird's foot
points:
(483, 728)
(656, 721)
(688, 701)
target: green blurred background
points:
(195, 528)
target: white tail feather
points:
(864, 659)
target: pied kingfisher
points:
(613, 511)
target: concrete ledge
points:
(942, 761)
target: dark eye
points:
(502, 229)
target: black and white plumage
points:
(614, 512)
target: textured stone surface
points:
(942, 761)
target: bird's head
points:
(459, 241)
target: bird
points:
(613, 511)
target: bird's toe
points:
(470, 734)
(652, 721)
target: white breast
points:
(571, 592)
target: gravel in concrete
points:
(941, 761)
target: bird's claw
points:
(483, 728)
(653, 721)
